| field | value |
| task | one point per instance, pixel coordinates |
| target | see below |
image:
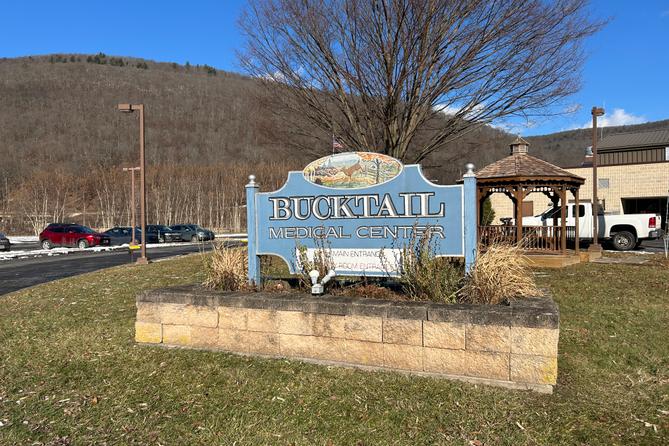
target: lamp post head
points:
(597, 111)
(129, 108)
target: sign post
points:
(364, 209)
(471, 225)
(252, 230)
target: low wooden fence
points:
(535, 238)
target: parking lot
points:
(25, 272)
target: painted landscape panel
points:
(352, 170)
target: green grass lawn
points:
(70, 373)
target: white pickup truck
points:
(624, 231)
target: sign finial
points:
(252, 180)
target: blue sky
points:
(627, 69)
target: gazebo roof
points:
(519, 165)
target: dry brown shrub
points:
(227, 269)
(499, 273)
(423, 275)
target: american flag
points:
(336, 145)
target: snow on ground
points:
(17, 239)
(24, 254)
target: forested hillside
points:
(63, 143)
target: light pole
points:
(132, 200)
(596, 111)
(129, 108)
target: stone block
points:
(534, 341)
(407, 310)
(295, 322)
(204, 337)
(403, 331)
(176, 335)
(364, 328)
(533, 369)
(262, 320)
(368, 307)
(199, 316)
(440, 360)
(405, 357)
(233, 340)
(328, 349)
(449, 313)
(327, 306)
(262, 343)
(449, 335)
(328, 325)
(364, 353)
(148, 312)
(173, 314)
(232, 318)
(489, 338)
(500, 315)
(491, 365)
(296, 346)
(148, 332)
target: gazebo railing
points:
(535, 238)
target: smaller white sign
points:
(362, 261)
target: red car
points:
(65, 234)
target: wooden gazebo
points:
(517, 176)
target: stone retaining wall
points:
(513, 346)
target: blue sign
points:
(367, 207)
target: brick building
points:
(633, 177)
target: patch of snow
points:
(16, 239)
(630, 252)
(22, 254)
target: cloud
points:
(277, 76)
(446, 109)
(664, 13)
(451, 110)
(618, 117)
(515, 128)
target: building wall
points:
(624, 181)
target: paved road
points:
(22, 273)
(652, 246)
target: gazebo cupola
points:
(517, 176)
(519, 146)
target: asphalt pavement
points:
(17, 274)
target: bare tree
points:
(377, 72)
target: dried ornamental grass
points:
(499, 273)
(227, 269)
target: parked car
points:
(161, 234)
(67, 234)
(120, 235)
(5, 245)
(193, 233)
(624, 231)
